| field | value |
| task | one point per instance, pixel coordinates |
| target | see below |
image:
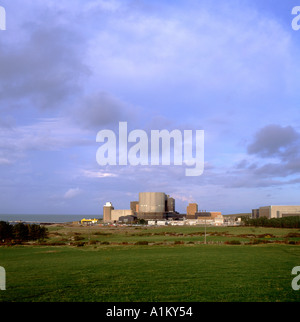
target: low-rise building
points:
(276, 211)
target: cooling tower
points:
(152, 202)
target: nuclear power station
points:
(154, 207)
(151, 206)
(158, 207)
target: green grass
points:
(167, 272)
(166, 234)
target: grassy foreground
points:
(164, 270)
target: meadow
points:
(159, 264)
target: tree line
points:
(21, 232)
(284, 222)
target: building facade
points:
(191, 210)
(276, 211)
(107, 209)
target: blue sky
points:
(69, 69)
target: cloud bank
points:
(68, 71)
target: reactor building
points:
(151, 206)
(155, 205)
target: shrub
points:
(260, 241)
(233, 242)
(78, 244)
(22, 232)
(293, 235)
(178, 242)
(54, 243)
(284, 222)
(77, 238)
(141, 242)
(99, 233)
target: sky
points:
(69, 69)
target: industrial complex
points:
(159, 208)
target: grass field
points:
(174, 266)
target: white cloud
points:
(208, 50)
(47, 134)
(4, 161)
(72, 193)
(97, 174)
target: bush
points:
(233, 242)
(5, 231)
(79, 244)
(77, 238)
(293, 235)
(284, 222)
(178, 242)
(142, 242)
(260, 241)
(22, 232)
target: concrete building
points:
(117, 213)
(276, 211)
(208, 215)
(170, 204)
(134, 206)
(156, 206)
(152, 202)
(255, 213)
(191, 210)
(127, 219)
(112, 215)
(192, 213)
(107, 209)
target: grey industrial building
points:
(155, 206)
(276, 211)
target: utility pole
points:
(205, 232)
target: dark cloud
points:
(98, 109)
(272, 140)
(44, 67)
(279, 143)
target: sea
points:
(38, 219)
